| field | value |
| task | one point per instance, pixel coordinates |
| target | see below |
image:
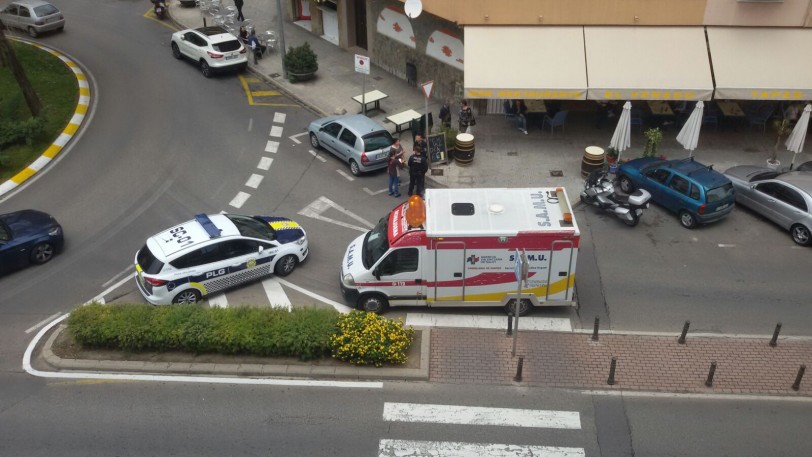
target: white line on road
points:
(374, 192)
(276, 295)
(123, 272)
(391, 448)
(322, 204)
(218, 301)
(250, 124)
(42, 322)
(476, 415)
(344, 174)
(265, 163)
(276, 131)
(254, 181)
(295, 138)
(240, 199)
(546, 324)
(338, 306)
(279, 118)
(100, 298)
(272, 147)
(731, 397)
(316, 155)
(727, 245)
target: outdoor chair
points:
(507, 107)
(636, 118)
(711, 119)
(761, 117)
(556, 121)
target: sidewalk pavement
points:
(507, 158)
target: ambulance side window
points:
(399, 261)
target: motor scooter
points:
(159, 8)
(599, 191)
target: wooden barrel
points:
(464, 145)
(593, 160)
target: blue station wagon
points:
(696, 192)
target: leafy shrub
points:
(269, 332)
(21, 132)
(300, 61)
(368, 339)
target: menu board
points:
(437, 151)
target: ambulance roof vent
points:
(496, 208)
(462, 209)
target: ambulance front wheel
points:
(524, 307)
(373, 303)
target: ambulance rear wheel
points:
(373, 303)
(524, 307)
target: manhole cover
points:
(556, 173)
(274, 75)
(513, 153)
(437, 172)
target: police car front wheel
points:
(285, 265)
(187, 296)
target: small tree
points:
(653, 139)
(301, 63)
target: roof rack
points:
(208, 225)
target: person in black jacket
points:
(238, 4)
(418, 166)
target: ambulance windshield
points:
(376, 243)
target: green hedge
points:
(269, 332)
(21, 132)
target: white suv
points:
(211, 48)
(216, 252)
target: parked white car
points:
(212, 49)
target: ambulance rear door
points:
(449, 267)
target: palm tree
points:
(9, 58)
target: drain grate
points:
(557, 173)
(513, 153)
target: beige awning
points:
(647, 63)
(755, 63)
(525, 62)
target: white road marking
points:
(42, 322)
(272, 147)
(730, 397)
(295, 138)
(254, 181)
(374, 192)
(476, 415)
(322, 204)
(218, 301)
(338, 306)
(265, 163)
(124, 272)
(344, 174)
(279, 118)
(100, 298)
(316, 155)
(276, 131)
(727, 245)
(250, 124)
(392, 448)
(240, 199)
(276, 295)
(547, 324)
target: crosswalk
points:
(476, 416)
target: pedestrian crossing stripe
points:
(390, 448)
(474, 415)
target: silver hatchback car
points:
(782, 197)
(33, 16)
(355, 139)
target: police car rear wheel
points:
(188, 296)
(373, 303)
(286, 265)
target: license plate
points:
(233, 56)
(721, 207)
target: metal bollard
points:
(797, 384)
(611, 380)
(510, 326)
(709, 381)
(595, 328)
(518, 377)
(681, 339)
(774, 341)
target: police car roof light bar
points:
(208, 225)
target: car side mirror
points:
(377, 273)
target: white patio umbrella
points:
(688, 137)
(795, 141)
(621, 139)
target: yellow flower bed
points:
(368, 339)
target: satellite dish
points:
(413, 8)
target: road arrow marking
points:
(295, 138)
(374, 192)
(276, 295)
(322, 204)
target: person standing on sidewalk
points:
(394, 166)
(238, 4)
(467, 121)
(418, 166)
(420, 143)
(445, 115)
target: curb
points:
(243, 369)
(69, 131)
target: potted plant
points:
(654, 137)
(450, 140)
(611, 155)
(301, 63)
(782, 128)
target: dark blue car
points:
(28, 236)
(696, 192)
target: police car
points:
(215, 252)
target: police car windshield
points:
(254, 228)
(375, 244)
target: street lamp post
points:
(281, 20)
(413, 8)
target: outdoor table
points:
(535, 106)
(403, 118)
(374, 96)
(660, 108)
(730, 108)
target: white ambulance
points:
(459, 248)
